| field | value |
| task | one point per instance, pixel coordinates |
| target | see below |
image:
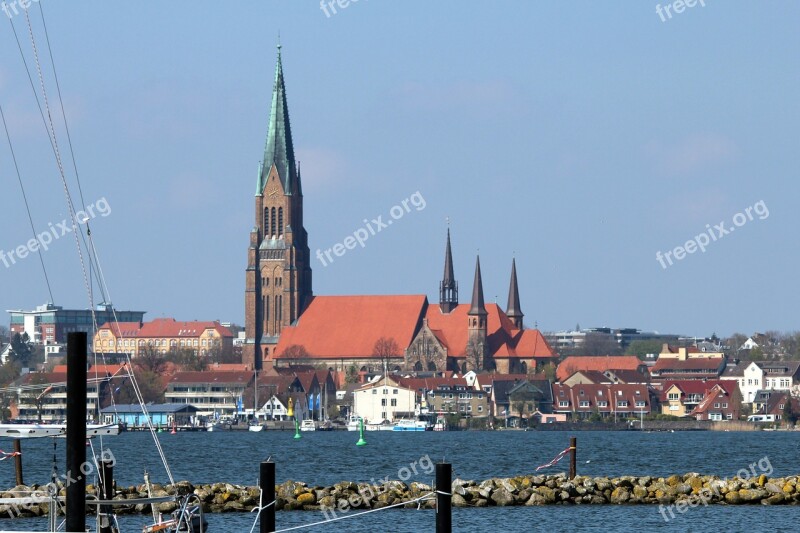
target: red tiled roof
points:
(610, 393)
(169, 327)
(698, 386)
(349, 326)
(503, 338)
(573, 364)
(122, 329)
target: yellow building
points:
(163, 334)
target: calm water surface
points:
(324, 458)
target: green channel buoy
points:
(361, 441)
(296, 429)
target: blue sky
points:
(580, 137)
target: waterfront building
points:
(163, 335)
(613, 401)
(49, 324)
(42, 396)
(754, 376)
(161, 414)
(384, 399)
(213, 393)
(687, 363)
(690, 398)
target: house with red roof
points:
(611, 400)
(601, 363)
(164, 335)
(691, 398)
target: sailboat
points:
(188, 518)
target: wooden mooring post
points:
(444, 496)
(266, 480)
(76, 432)
(106, 493)
(18, 461)
(573, 457)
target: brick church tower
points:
(278, 275)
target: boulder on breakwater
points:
(692, 489)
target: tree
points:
(21, 350)
(524, 398)
(295, 353)
(150, 385)
(151, 359)
(4, 334)
(789, 414)
(385, 349)
(549, 371)
(475, 360)
(734, 344)
(599, 344)
(187, 359)
(351, 375)
(216, 354)
(642, 349)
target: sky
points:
(585, 139)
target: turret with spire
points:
(513, 310)
(476, 344)
(448, 288)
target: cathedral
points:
(285, 324)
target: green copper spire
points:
(279, 150)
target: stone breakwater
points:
(690, 489)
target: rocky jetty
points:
(680, 491)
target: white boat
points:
(308, 425)
(353, 423)
(441, 424)
(32, 431)
(255, 428)
(410, 425)
(382, 426)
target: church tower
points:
(278, 275)
(513, 310)
(477, 327)
(448, 288)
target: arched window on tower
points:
(272, 221)
(280, 222)
(266, 221)
(266, 310)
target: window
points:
(394, 402)
(563, 403)
(622, 403)
(280, 221)
(383, 402)
(724, 405)
(673, 396)
(640, 403)
(480, 408)
(272, 219)
(385, 391)
(584, 403)
(602, 403)
(716, 405)
(374, 391)
(395, 391)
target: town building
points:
(49, 324)
(384, 399)
(686, 363)
(163, 335)
(754, 376)
(42, 396)
(612, 401)
(213, 393)
(162, 415)
(600, 363)
(683, 398)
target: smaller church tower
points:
(513, 310)
(477, 315)
(448, 288)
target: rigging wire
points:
(25, 198)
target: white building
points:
(764, 375)
(384, 399)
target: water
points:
(324, 458)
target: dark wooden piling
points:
(573, 457)
(106, 492)
(267, 503)
(444, 496)
(76, 432)
(18, 461)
